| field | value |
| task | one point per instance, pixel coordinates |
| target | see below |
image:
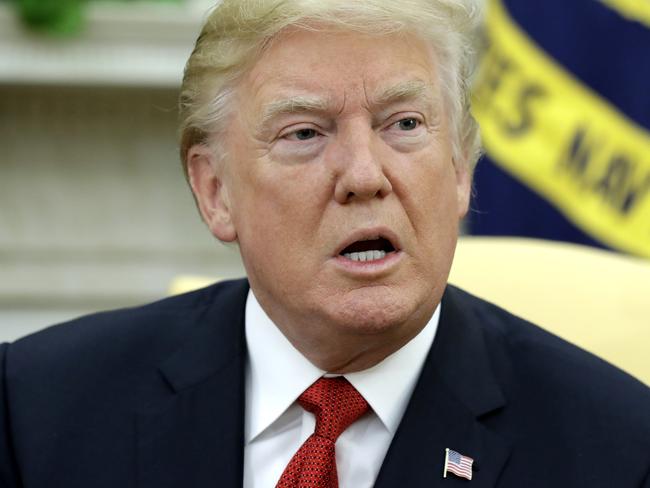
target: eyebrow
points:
(297, 104)
(404, 91)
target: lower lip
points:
(369, 267)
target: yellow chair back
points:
(596, 299)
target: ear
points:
(463, 186)
(211, 192)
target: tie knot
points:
(336, 405)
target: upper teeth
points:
(365, 255)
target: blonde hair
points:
(237, 31)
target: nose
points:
(361, 174)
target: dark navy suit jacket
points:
(153, 397)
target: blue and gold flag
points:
(563, 99)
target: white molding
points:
(132, 44)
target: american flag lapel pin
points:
(458, 464)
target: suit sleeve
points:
(8, 468)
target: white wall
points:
(94, 210)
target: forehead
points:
(341, 67)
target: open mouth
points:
(368, 250)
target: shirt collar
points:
(278, 373)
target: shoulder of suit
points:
(536, 363)
(119, 338)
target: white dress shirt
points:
(276, 426)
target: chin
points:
(376, 310)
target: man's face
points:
(341, 187)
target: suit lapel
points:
(456, 389)
(194, 434)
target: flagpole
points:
(444, 474)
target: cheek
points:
(284, 200)
(431, 197)
(281, 215)
(430, 201)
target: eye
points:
(408, 124)
(302, 134)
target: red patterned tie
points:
(336, 405)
